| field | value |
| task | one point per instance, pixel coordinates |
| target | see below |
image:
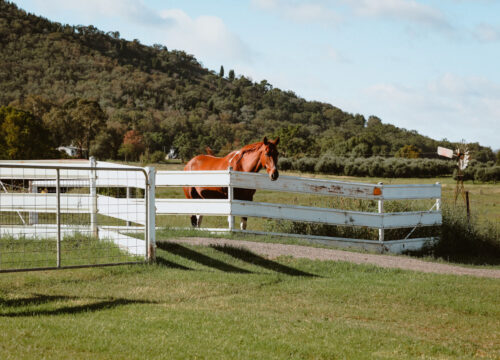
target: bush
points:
(328, 164)
(305, 164)
(285, 164)
(157, 157)
(488, 174)
(373, 166)
(466, 242)
(392, 167)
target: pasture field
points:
(227, 303)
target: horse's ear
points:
(277, 141)
(265, 140)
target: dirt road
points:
(271, 251)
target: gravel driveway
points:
(272, 251)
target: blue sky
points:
(430, 66)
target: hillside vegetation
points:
(119, 99)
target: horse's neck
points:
(249, 161)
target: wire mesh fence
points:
(59, 216)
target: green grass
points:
(76, 250)
(227, 303)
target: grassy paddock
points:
(76, 250)
(227, 303)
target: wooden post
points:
(468, 206)
(381, 211)
(230, 196)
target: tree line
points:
(119, 99)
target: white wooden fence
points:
(379, 220)
(142, 211)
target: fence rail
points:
(379, 220)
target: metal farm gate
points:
(74, 213)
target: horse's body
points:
(250, 158)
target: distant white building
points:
(172, 154)
(70, 150)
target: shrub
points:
(466, 242)
(157, 157)
(305, 164)
(285, 164)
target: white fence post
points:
(33, 216)
(128, 197)
(151, 213)
(93, 197)
(381, 211)
(58, 216)
(230, 196)
(438, 200)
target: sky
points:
(429, 66)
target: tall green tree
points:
(409, 152)
(23, 136)
(76, 123)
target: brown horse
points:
(250, 158)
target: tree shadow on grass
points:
(192, 255)
(39, 299)
(250, 257)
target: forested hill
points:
(120, 98)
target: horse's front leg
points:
(196, 220)
(243, 223)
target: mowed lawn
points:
(226, 303)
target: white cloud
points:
(301, 12)
(132, 10)
(205, 36)
(266, 4)
(404, 10)
(450, 107)
(487, 33)
(336, 56)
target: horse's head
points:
(269, 157)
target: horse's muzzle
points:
(274, 175)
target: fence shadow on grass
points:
(160, 261)
(192, 255)
(64, 310)
(252, 258)
(36, 299)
